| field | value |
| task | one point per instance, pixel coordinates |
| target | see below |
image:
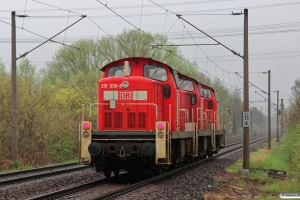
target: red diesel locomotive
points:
(150, 118)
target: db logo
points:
(125, 95)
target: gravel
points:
(189, 184)
(46, 185)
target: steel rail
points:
(5, 175)
(37, 176)
(75, 189)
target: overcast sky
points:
(273, 34)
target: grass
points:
(17, 167)
(267, 159)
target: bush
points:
(291, 147)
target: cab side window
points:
(205, 93)
(155, 72)
(185, 84)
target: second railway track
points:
(26, 175)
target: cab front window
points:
(117, 71)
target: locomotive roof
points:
(133, 58)
(180, 74)
(152, 60)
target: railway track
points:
(27, 175)
(74, 192)
(240, 137)
(31, 174)
(239, 142)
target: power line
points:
(251, 83)
(265, 98)
(56, 7)
(180, 16)
(132, 6)
(131, 24)
(23, 55)
(9, 40)
(224, 32)
(75, 13)
(178, 45)
(151, 38)
(174, 4)
(197, 45)
(24, 13)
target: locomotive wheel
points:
(152, 173)
(210, 154)
(107, 174)
(98, 168)
(117, 172)
(202, 157)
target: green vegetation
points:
(284, 155)
(267, 159)
(291, 147)
(45, 133)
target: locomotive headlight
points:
(125, 84)
(86, 126)
(85, 134)
(160, 127)
(160, 134)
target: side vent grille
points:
(107, 120)
(131, 120)
(118, 120)
(142, 120)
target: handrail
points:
(92, 104)
(128, 104)
(186, 112)
(205, 120)
(216, 121)
(197, 119)
(214, 136)
(170, 120)
(169, 142)
(192, 114)
(177, 110)
(201, 119)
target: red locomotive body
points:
(150, 118)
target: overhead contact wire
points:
(75, 13)
(66, 26)
(50, 39)
(40, 35)
(141, 14)
(24, 13)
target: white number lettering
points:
(113, 85)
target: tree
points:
(293, 112)
(45, 133)
(68, 61)
(291, 140)
(92, 55)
